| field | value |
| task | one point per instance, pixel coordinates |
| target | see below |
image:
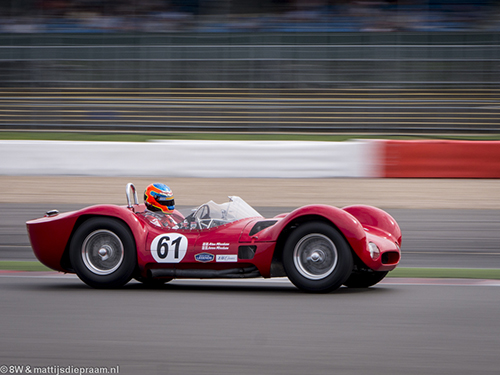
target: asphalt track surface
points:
(250, 327)
(431, 237)
(400, 326)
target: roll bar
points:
(129, 190)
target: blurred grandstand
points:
(267, 65)
(53, 16)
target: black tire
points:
(364, 279)
(151, 282)
(317, 258)
(103, 253)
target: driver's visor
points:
(166, 201)
(170, 203)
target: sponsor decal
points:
(215, 246)
(169, 248)
(227, 258)
(204, 257)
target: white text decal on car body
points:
(227, 258)
(215, 246)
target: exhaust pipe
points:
(234, 273)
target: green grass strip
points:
(22, 266)
(455, 273)
(144, 137)
(221, 136)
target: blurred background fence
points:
(307, 60)
(328, 82)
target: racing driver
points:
(160, 206)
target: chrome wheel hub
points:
(102, 252)
(315, 256)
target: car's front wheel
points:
(317, 258)
(102, 253)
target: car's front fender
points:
(347, 224)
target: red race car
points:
(318, 247)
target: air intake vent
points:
(390, 257)
(246, 252)
(262, 225)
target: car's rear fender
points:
(51, 236)
(121, 213)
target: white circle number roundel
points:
(169, 248)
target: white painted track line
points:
(275, 281)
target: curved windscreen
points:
(212, 214)
(235, 209)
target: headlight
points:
(374, 251)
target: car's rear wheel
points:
(102, 253)
(317, 258)
(364, 279)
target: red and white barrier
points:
(440, 159)
(255, 159)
